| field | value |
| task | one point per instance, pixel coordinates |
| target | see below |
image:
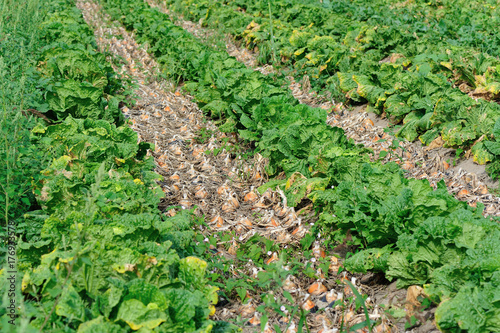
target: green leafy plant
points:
(203, 135)
(411, 74)
(98, 255)
(493, 147)
(395, 222)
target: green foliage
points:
(128, 278)
(98, 256)
(297, 187)
(20, 160)
(381, 54)
(404, 227)
(380, 204)
(256, 106)
(493, 148)
(473, 307)
(204, 135)
(76, 80)
(369, 260)
(232, 276)
(66, 26)
(85, 146)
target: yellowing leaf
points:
(212, 296)
(119, 161)
(66, 260)
(138, 315)
(124, 268)
(447, 65)
(25, 282)
(299, 51)
(39, 129)
(480, 155)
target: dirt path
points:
(465, 179)
(201, 166)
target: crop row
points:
(403, 227)
(433, 80)
(473, 22)
(98, 256)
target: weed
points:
(21, 161)
(453, 161)
(360, 302)
(273, 47)
(204, 135)
(395, 144)
(230, 146)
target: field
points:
(228, 165)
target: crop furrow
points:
(409, 231)
(412, 89)
(222, 187)
(434, 165)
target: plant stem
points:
(272, 34)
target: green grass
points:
(21, 162)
